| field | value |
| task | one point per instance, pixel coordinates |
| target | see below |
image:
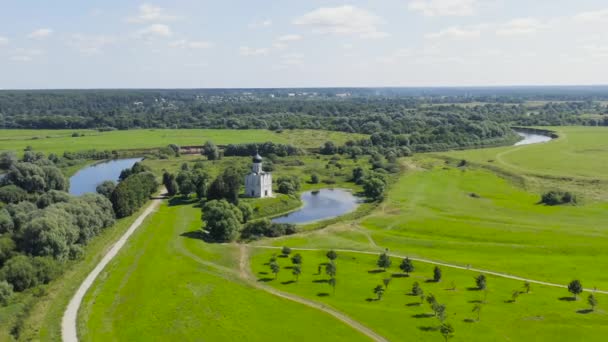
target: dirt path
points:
(246, 275)
(69, 320)
(477, 270)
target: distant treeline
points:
(430, 118)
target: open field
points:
(59, 141)
(399, 316)
(168, 285)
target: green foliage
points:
(379, 291)
(34, 178)
(480, 282)
(332, 255)
(406, 266)
(226, 186)
(170, 183)
(296, 270)
(184, 182)
(19, 272)
(246, 211)
(265, 228)
(286, 251)
(210, 151)
(447, 331)
(296, 259)
(558, 197)
(592, 300)
(6, 292)
(222, 220)
(331, 269)
(106, 188)
(12, 194)
(52, 197)
(132, 193)
(288, 185)
(436, 274)
(575, 287)
(7, 248)
(374, 187)
(384, 261)
(417, 290)
(275, 269)
(7, 159)
(314, 178)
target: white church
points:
(258, 183)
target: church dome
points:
(257, 158)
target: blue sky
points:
(267, 43)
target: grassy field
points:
(168, 286)
(58, 141)
(539, 315)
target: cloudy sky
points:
(309, 43)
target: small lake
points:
(531, 138)
(87, 179)
(321, 205)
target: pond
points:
(320, 205)
(87, 179)
(531, 138)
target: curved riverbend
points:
(321, 205)
(88, 178)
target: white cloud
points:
(289, 38)
(592, 16)
(25, 55)
(455, 32)
(248, 51)
(90, 44)
(3, 40)
(344, 20)
(190, 44)
(40, 33)
(520, 26)
(292, 59)
(435, 8)
(150, 13)
(260, 24)
(154, 31)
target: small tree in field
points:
(437, 274)
(384, 261)
(275, 268)
(439, 310)
(514, 295)
(575, 287)
(332, 255)
(286, 250)
(386, 282)
(407, 266)
(296, 271)
(592, 301)
(332, 283)
(477, 308)
(447, 331)
(296, 259)
(330, 269)
(416, 289)
(527, 286)
(480, 281)
(379, 291)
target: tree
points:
(296, 271)
(384, 261)
(332, 255)
(12, 194)
(439, 310)
(275, 268)
(314, 178)
(131, 193)
(210, 151)
(407, 266)
(416, 289)
(358, 174)
(575, 287)
(106, 188)
(6, 292)
(480, 281)
(296, 259)
(527, 286)
(20, 273)
(437, 274)
(514, 295)
(330, 269)
(379, 291)
(246, 210)
(477, 308)
(184, 183)
(447, 331)
(7, 159)
(592, 301)
(286, 251)
(170, 183)
(373, 188)
(386, 282)
(222, 220)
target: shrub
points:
(265, 228)
(19, 272)
(6, 292)
(555, 197)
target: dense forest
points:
(431, 118)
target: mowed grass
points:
(578, 152)
(166, 286)
(539, 315)
(59, 141)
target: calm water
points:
(531, 138)
(320, 205)
(87, 179)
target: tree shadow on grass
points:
(195, 234)
(288, 282)
(265, 280)
(567, 299)
(320, 281)
(423, 315)
(371, 300)
(476, 301)
(584, 311)
(263, 273)
(178, 200)
(473, 289)
(428, 328)
(322, 294)
(376, 271)
(399, 275)
(413, 304)
(509, 301)
(288, 267)
(468, 320)
(430, 281)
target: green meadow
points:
(59, 141)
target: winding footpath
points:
(246, 275)
(477, 270)
(69, 320)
